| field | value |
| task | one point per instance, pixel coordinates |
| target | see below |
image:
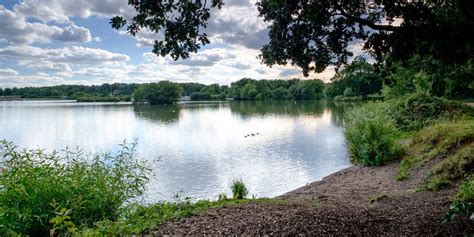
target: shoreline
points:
(357, 200)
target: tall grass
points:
(239, 190)
(371, 136)
(42, 192)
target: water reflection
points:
(161, 113)
(201, 147)
(252, 108)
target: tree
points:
(359, 76)
(248, 92)
(163, 92)
(314, 34)
(200, 96)
(281, 93)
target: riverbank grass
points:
(450, 140)
(139, 219)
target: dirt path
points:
(339, 204)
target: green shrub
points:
(418, 110)
(59, 191)
(239, 190)
(371, 137)
(463, 201)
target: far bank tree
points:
(163, 92)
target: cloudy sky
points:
(50, 42)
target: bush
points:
(239, 191)
(371, 137)
(59, 191)
(463, 201)
(418, 110)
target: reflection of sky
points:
(200, 151)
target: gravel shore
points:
(353, 201)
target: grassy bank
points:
(418, 129)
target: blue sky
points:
(51, 42)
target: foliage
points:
(59, 191)
(120, 91)
(371, 137)
(239, 190)
(281, 93)
(191, 87)
(249, 89)
(62, 224)
(463, 201)
(200, 96)
(418, 110)
(180, 22)
(163, 92)
(91, 98)
(429, 76)
(357, 79)
(313, 35)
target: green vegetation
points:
(463, 201)
(70, 194)
(163, 92)
(371, 136)
(415, 111)
(102, 93)
(239, 190)
(357, 81)
(430, 129)
(443, 139)
(250, 89)
(89, 98)
(61, 192)
(139, 219)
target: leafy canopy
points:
(163, 92)
(314, 34)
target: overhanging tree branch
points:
(369, 23)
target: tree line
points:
(357, 81)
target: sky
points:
(53, 42)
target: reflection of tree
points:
(339, 109)
(252, 108)
(160, 113)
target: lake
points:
(200, 147)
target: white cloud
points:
(40, 79)
(17, 30)
(73, 55)
(8, 72)
(62, 10)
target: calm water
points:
(201, 146)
